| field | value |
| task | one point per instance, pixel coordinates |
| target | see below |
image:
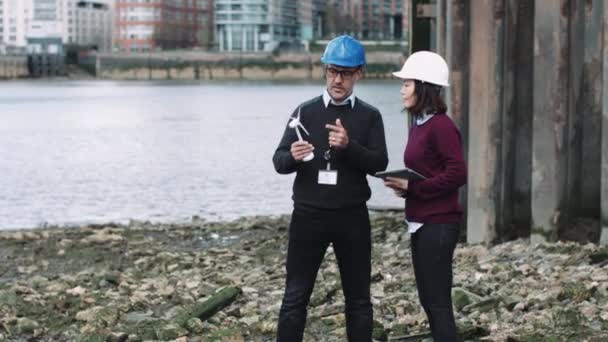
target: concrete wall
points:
(207, 66)
(12, 67)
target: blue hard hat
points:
(344, 51)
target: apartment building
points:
(375, 19)
(258, 25)
(47, 10)
(14, 20)
(89, 23)
(84, 22)
(143, 25)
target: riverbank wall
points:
(13, 67)
(236, 66)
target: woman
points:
(432, 213)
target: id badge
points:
(328, 177)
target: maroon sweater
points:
(435, 150)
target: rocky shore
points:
(210, 281)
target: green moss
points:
(373, 70)
(604, 220)
(225, 334)
(91, 338)
(378, 333)
(576, 292)
(146, 329)
(568, 318)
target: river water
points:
(100, 151)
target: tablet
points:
(401, 173)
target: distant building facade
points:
(87, 22)
(15, 16)
(375, 19)
(163, 24)
(258, 25)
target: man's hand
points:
(399, 185)
(301, 149)
(338, 136)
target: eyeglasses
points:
(347, 75)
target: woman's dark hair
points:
(428, 99)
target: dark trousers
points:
(432, 254)
(310, 233)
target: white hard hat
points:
(425, 66)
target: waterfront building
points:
(163, 24)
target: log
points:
(464, 333)
(210, 307)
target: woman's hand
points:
(399, 185)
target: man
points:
(330, 192)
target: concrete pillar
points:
(550, 118)
(244, 39)
(229, 33)
(485, 97)
(256, 37)
(604, 147)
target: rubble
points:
(223, 281)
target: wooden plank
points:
(604, 193)
(484, 109)
(550, 118)
(513, 185)
(457, 96)
(520, 121)
(505, 154)
(591, 115)
(575, 97)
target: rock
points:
(484, 305)
(598, 257)
(195, 325)
(117, 337)
(77, 291)
(510, 302)
(170, 332)
(462, 298)
(576, 292)
(552, 290)
(146, 329)
(26, 325)
(250, 320)
(135, 338)
(112, 278)
(102, 236)
(399, 330)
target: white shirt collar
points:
(420, 120)
(327, 98)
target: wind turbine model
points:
(296, 124)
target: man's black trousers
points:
(310, 233)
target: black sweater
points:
(365, 154)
